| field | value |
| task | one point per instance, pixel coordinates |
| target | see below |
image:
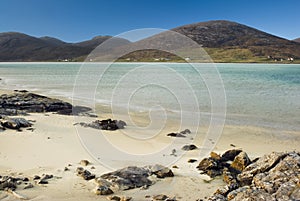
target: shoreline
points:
(54, 144)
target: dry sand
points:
(55, 143)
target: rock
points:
(23, 102)
(29, 185)
(240, 162)
(260, 166)
(159, 197)
(85, 174)
(134, 177)
(186, 131)
(8, 184)
(215, 156)
(175, 166)
(210, 167)
(189, 147)
(84, 162)
(229, 178)
(176, 135)
(36, 177)
(129, 177)
(14, 123)
(181, 134)
(192, 160)
(118, 198)
(230, 154)
(275, 176)
(160, 171)
(107, 124)
(103, 190)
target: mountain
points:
(224, 41)
(53, 41)
(297, 40)
(21, 47)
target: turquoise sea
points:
(264, 95)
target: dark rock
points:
(36, 177)
(135, 177)
(85, 174)
(161, 171)
(186, 131)
(230, 154)
(159, 197)
(181, 134)
(107, 124)
(23, 102)
(29, 185)
(103, 190)
(176, 135)
(210, 167)
(189, 147)
(129, 177)
(192, 160)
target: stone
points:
(189, 147)
(161, 171)
(215, 156)
(103, 190)
(134, 177)
(84, 162)
(118, 198)
(29, 185)
(159, 197)
(23, 102)
(192, 160)
(129, 177)
(230, 154)
(240, 162)
(175, 135)
(8, 184)
(261, 165)
(186, 131)
(107, 124)
(36, 177)
(85, 174)
(275, 176)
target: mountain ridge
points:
(225, 41)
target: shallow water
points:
(264, 95)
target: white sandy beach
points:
(54, 144)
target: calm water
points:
(266, 95)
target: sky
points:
(78, 20)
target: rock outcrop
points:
(272, 177)
(23, 102)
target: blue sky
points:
(77, 20)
